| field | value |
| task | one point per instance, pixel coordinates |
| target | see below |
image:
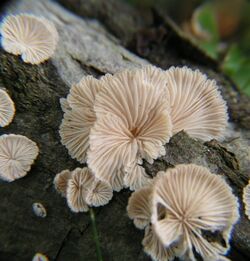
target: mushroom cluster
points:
(186, 212)
(82, 189)
(118, 121)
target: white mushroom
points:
(7, 109)
(61, 181)
(77, 189)
(132, 123)
(17, 154)
(197, 106)
(79, 117)
(32, 37)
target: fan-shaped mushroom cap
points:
(132, 123)
(196, 104)
(77, 189)
(33, 37)
(61, 181)
(17, 154)
(79, 117)
(246, 199)
(153, 247)
(139, 207)
(192, 200)
(136, 177)
(99, 194)
(7, 109)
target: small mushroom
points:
(246, 199)
(61, 181)
(39, 210)
(40, 257)
(197, 106)
(32, 37)
(7, 109)
(17, 154)
(99, 194)
(77, 189)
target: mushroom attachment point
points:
(17, 154)
(34, 38)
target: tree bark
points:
(97, 46)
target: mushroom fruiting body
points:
(197, 106)
(186, 203)
(132, 124)
(61, 181)
(246, 199)
(17, 154)
(32, 37)
(79, 117)
(82, 189)
(7, 109)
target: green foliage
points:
(237, 66)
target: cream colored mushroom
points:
(99, 194)
(77, 189)
(132, 123)
(197, 106)
(139, 207)
(192, 200)
(246, 199)
(32, 37)
(79, 117)
(17, 154)
(7, 109)
(61, 181)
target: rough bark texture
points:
(86, 47)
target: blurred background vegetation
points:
(221, 28)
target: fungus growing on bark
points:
(185, 210)
(17, 154)
(132, 123)
(77, 189)
(246, 199)
(61, 181)
(40, 257)
(7, 109)
(197, 106)
(32, 37)
(79, 117)
(189, 201)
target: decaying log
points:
(86, 47)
